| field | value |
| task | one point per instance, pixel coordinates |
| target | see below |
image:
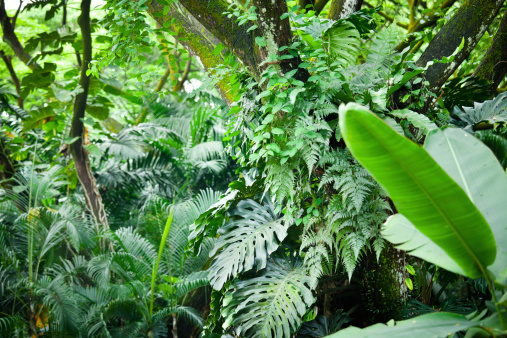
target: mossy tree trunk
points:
(493, 66)
(277, 34)
(468, 24)
(200, 26)
(383, 286)
(197, 40)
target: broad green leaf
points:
(272, 303)
(420, 189)
(418, 120)
(401, 232)
(438, 324)
(476, 170)
(246, 242)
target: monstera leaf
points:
(420, 189)
(489, 112)
(246, 242)
(272, 304)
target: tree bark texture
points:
(79, 154)
(8, 63)
(493, 66)
(277, 33)
(195, 38)
(342, 8)
(469, 23)
(204, 18)
(6, 168)
(233, 36)
(10, 37)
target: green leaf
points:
(70, 140)
(476, 170)
(294, 94)
(420, 189)
(343, 42)
(272, 304)
(246, 242)
(260, 41)
(410, 269)
(401, 232)
(438, 324)
(263, 94)
(277, 131)
(418, 120)
(409, 283)
(268, 119)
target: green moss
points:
(380, 289)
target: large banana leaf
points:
(477, 171)
(400, 231)
(438, 324)
(420, 189)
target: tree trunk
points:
(469, 23)
(342, 8)
(277, 33)
(233, 36)
(79, 154)
(493, 66)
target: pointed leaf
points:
(476, 170)
(438, 324)
(401, 232)
(420, 189)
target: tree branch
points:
(8, 63)
(184, 77)
(11, 39)
(387, 17)
(428, 21)
(195, 38)
(16, 15)
(236, 38)
(493, 66)
(319, 6)
(79, 153)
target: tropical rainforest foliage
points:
(258, 168)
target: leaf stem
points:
(157, 263)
